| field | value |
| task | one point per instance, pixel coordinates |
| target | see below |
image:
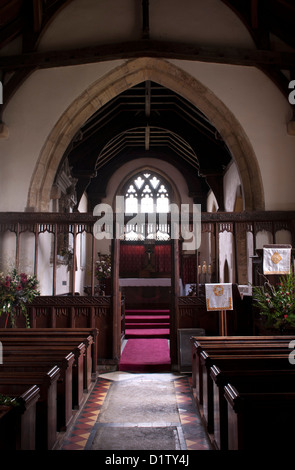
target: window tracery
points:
(147, 193)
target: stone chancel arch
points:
(122, 78)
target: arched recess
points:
(120, 79)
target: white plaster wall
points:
(212, 204)
(91, 22)
(172, 174)
(30, 116)
(197, 22)
(255, 101)
(257, 104)
(263, 112)
(231, 182)
(226, 253)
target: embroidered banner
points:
(276, 260)
(219, 296)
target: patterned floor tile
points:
(194, 434)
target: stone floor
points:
(134, 411)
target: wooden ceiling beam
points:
(145, 19)
(254, 14)
(11, 31)
(156, 49)
(38, 15)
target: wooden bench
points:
(239, 361)
(78, 333)
(228, 343)
(18, 424)
(237, 355)
(32, 351)
(260, 421)
(201, 343)
(46, 411)
(88, 336)
(238, 350)
(246, 381)
(53, 353)
(47, 344)
(64, 383)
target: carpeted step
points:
(133, 326)
(141, 355)
(147, 318)
(153, 312)
(147, 333)
(147, 323)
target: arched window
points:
(147, 193)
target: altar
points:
(146, 292)
(147, 282)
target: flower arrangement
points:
(277, 303)
(17, 290)
(193, 290)
(103, 268)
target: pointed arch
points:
(176, 198)
(120, 79)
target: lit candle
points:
(204, 267)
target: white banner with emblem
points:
(219, 296)
(276, 260)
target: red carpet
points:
(145, 355)
(147, 323)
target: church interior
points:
(147, 178)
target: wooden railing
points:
(75, 224)
(69, 311)
(105, 313)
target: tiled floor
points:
(81, 435)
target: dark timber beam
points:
(155, 49)
(145, 20)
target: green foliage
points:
(8, 401)
(277, 303)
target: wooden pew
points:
(242, 361)
(53, 354)
(46, 413)
(237, 354)
(22, 353)
(18, 424)
(64, 383)
(44, 342)
(260, 421)
(200, 343)
(201, 361)
(77, 333)
(247, 381)
(228, 344)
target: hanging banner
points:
(276, 260)
(219, 296)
